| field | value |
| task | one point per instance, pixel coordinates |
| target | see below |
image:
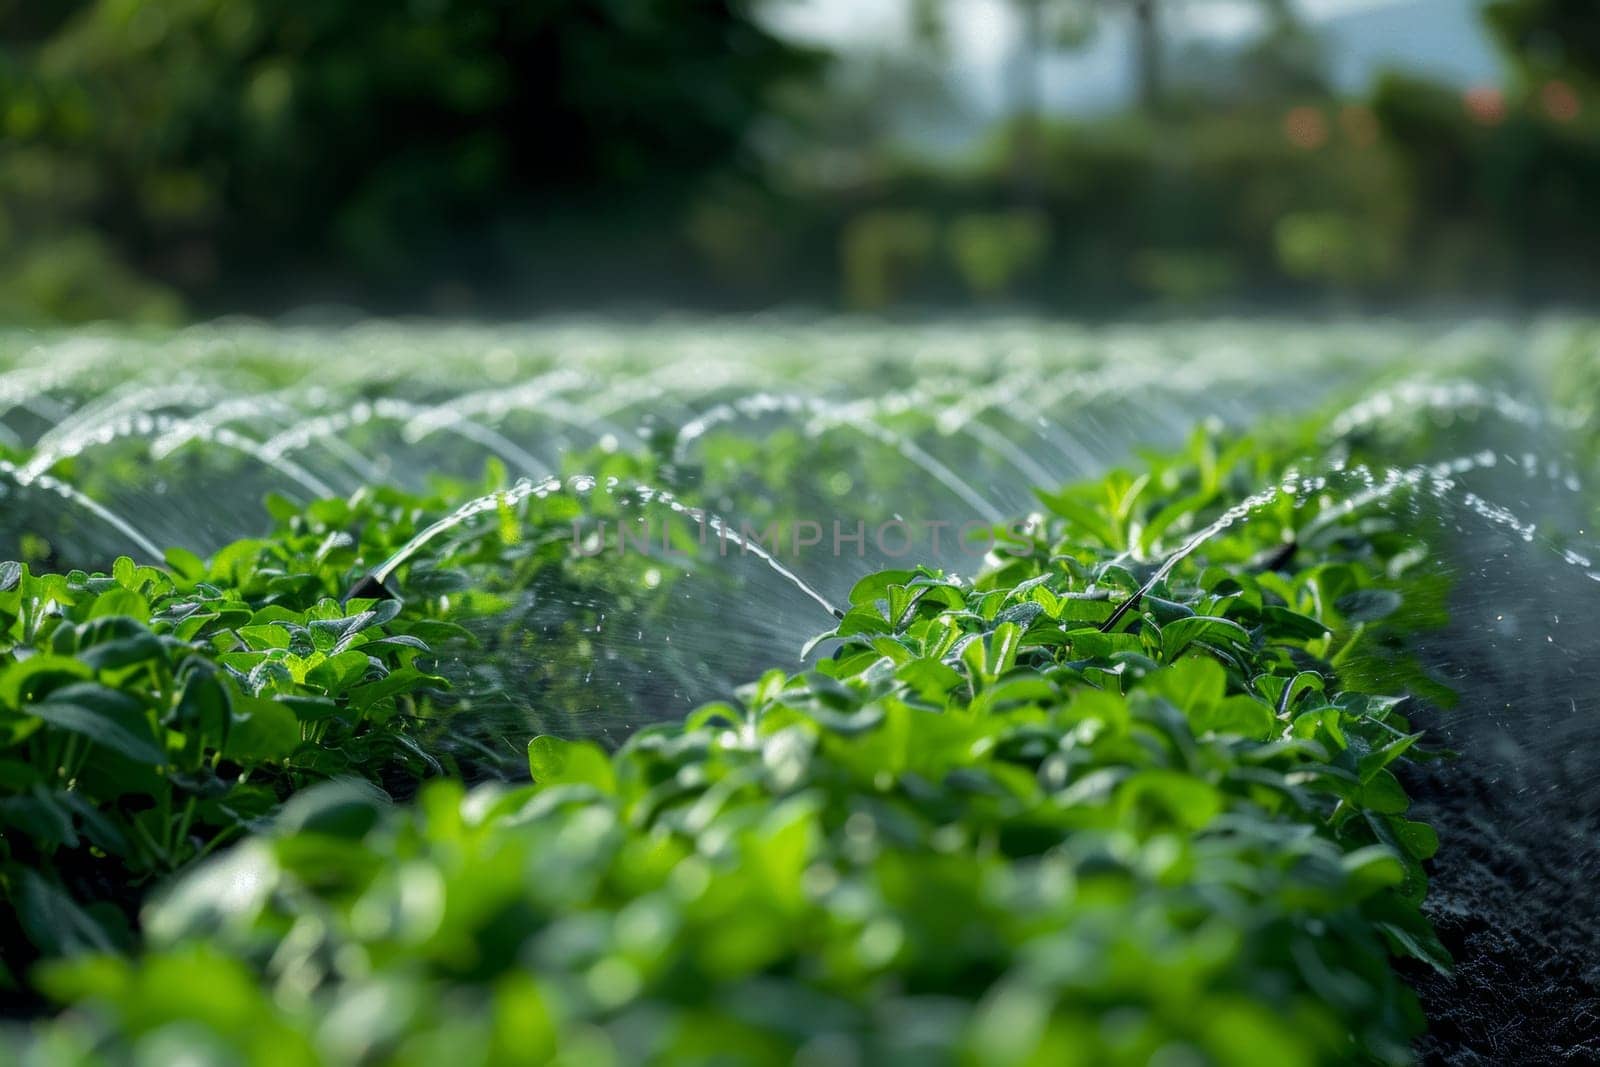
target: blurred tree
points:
(991, 251)
(1284, 58)
(1549, 37)
(860, 115)
(1503, 181)
(27, 21)
(1043, 28)
(1147, 37)
(1282, 64)
(234, 139)
(883, 252)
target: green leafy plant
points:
(1127, 794)
(151, 715)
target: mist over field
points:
(1015, 532)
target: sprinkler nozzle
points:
(370, 587)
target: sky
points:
(1441, 38)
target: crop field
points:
(790, 692)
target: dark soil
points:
(1513, 898)
(1515, 887)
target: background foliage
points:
(215, 144)
(483, 155)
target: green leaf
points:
(1419, 943)
(105, 717)
(1384, 794)
(262, 730)
(259, 638)
(1418, 838)
(204, 713)
(1286, 625)
(1003, 645)
(338, 672)
(1372, 869)
(185, 564)
(1185, 800)
(1092, 644)
(308, 708)
(1179, 634)
(1244, 716)
(42, 816)
(52, 920)
(1378, 759)
(400, 682)
(345, 808)
(116, 641)
(23, 681)
(553, 761)
(875, 587)
(863, 620)
(929, 678)
(1193, 685)
(1285, 691)
(120, 602)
